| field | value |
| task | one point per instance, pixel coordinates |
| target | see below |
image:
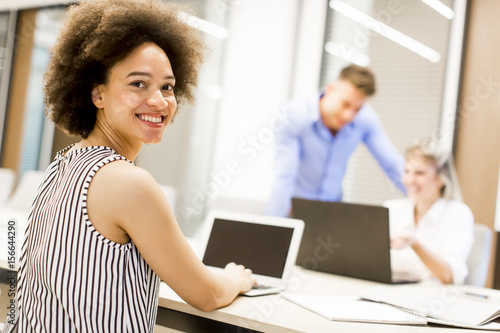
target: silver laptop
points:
(267, 245)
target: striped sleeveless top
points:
(71, 278)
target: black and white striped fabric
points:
(72, 278)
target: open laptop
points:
(346, 239)
(267, 245)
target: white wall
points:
(309, 47)
(256, 82)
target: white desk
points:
(270, 313)
(275, 314)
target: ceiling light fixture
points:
(385, 30)
(347, 54)
(441, 8)
(205, 26)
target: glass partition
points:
(405, 43)
(251, 72)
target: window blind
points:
(409, 87)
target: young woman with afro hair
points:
(101, 234)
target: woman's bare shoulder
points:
(122, 175)
(123, 186)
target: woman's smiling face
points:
(137, 102)
(421, 179)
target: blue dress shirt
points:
(310, 162)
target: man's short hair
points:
(361, 77)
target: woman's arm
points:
(382, 149)
(125, 202)
(438, 267)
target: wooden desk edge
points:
(221, 316)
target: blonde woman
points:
(431, 231)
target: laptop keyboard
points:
(261, 286)
(261, 289)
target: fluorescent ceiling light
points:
(347, 54)
(205, 26)
(385, 30)
(441, 8)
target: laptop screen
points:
(262, 248)
(344, 238)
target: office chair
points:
(25, 191)
(479, 258)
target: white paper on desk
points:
(443, 303)
(354, 309)
(493, 326)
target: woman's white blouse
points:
(446, 230)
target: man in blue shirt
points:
(313, 149)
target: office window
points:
(7, 26)
(38, 131)
(405, 44)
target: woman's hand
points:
(439, 267)
(401, 241)
(239, 272)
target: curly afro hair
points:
(98, 34)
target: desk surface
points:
(272, 313)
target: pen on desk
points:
(482, 297)
(476, 295)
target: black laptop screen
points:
(262, 248)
